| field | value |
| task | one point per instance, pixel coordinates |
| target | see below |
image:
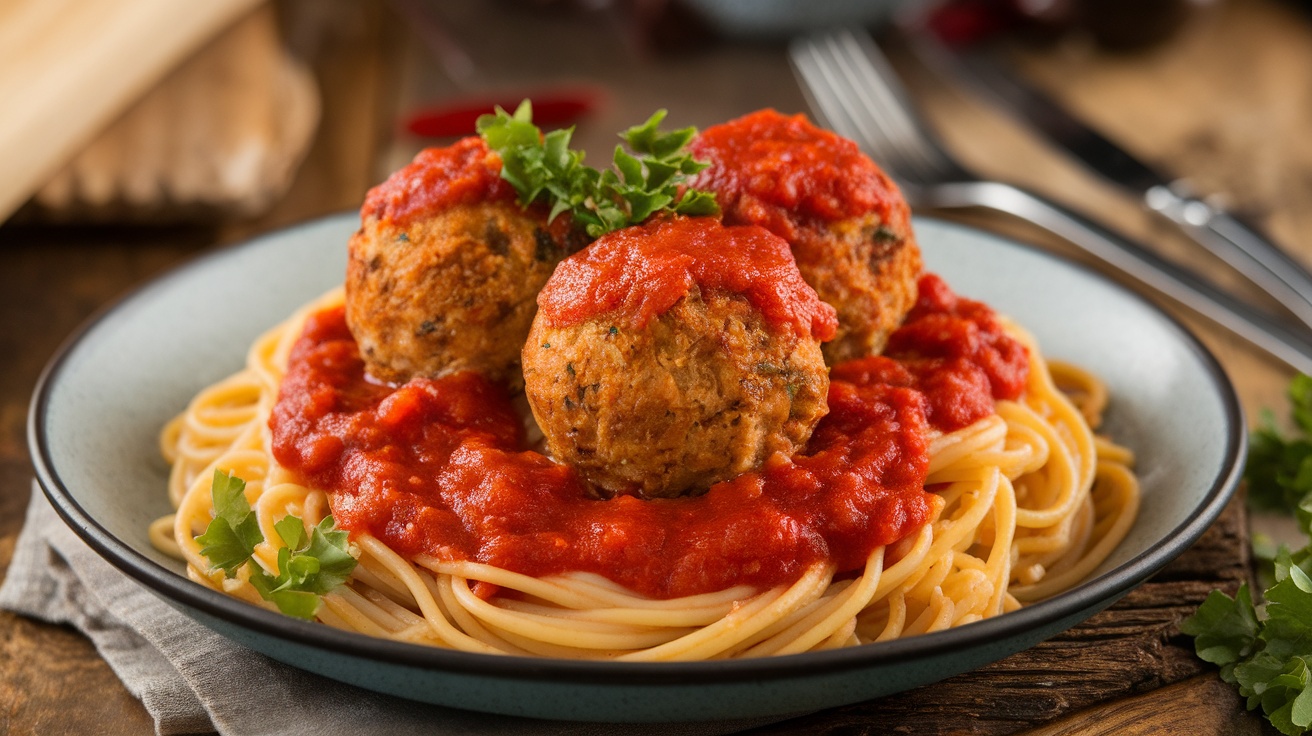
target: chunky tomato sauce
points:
(463, 173)
(954, 351)
(439, 466)
(779, 171)
(640, 272)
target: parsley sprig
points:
(1279, 470)
(309, 565)
(1266, 650)
(544, 168)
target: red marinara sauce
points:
(641, 272)
(954, 351)
(781, 172)
(465, 172)
(439, 467)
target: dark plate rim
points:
(177, 589)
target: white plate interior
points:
(143, 361)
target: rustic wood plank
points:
(220, 136)
(40, 663)
(51, 279)
(1223, 103)
(1201, 705)
(1131, 649)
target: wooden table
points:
(1226, 101)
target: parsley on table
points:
(1279, 471)
(309, 565)
(544, 168)
(1266, 649)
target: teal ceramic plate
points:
(103, 399)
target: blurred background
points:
(150, 131)
(138, 134)
(157, 115)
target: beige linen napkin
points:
(192, 680)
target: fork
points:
(853, 88)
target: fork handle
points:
(1248, 322)
(1239, 244)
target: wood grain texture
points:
(221, 135)
(1200, 705)
(93, 59)
(1131, 649)
(1217, 103)
(51, 281)
(1125, 671)
(52, 682)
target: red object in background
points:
(552, 108)
(1114, 24)
(966, 22)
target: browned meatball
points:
(847, 223)
(668, 357)
(867, 268)
(445, 269)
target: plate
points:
(100, 404)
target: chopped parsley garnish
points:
(544, 168)
(309, 565)
(1268, 654)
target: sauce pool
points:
(440, 467)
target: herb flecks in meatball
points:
(445, 269)
(847, 223)
(670, 356)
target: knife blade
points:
(1241, 245)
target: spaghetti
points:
(1029, 501)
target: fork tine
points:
(822, 86)
(879, 95)
(837, 94)
(856, 90)
(825, 86)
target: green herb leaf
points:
(697, 204)
(292, 531)
(1279, 469)
(1300, 395)
(1269, 657)
(544, 168)
(1224, 628)
(230, 539)
(298, 603)
(309, 566)
(330, 546)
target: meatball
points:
(445, 269)
(670, 356)
(847, 223)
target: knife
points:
(1239, 244)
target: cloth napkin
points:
(192, 679)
